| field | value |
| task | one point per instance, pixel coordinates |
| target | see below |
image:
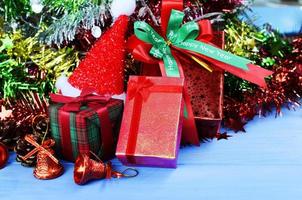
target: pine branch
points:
(12, 9)
(71, 6)
(77, 14)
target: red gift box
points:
(152, 122)
(205, 90)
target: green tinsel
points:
(28, 65)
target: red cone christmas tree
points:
(103, 67)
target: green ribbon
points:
(182, 36)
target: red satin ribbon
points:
(166, 7)
(73, 104)
(255, 74)
(139, 91)
(64, 126)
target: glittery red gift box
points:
(152, 122)
(205, 90)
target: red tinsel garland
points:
(284, 89)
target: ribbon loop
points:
(73, 104)
(140, 88)
(146, 33)
(160, 47)
(188, 31)
(206, 31)
(174, 24)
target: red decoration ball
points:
(3, 155)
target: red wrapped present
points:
(204, 88)
(206, 92)
(190, 47)
(152, 122)
(85, 123)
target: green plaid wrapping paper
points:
(83, 133)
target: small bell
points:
(40, 128)
(86, 169)
(3, 155)
(48, 166)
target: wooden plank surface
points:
(265, 163)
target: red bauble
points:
(3, 155)
(103, 67)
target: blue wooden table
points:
(264, 163)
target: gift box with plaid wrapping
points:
(93, 126)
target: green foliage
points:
(59, 21)
(13, 9)
(69, 6)
(65, 27)
(28, 65)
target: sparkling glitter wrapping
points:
(206, 92)
(103, 67)
(159, 130)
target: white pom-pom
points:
(66, 88)
(96, 31)
(36, 6)
(120, 96)
(122, 7)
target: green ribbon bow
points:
(182, 36)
